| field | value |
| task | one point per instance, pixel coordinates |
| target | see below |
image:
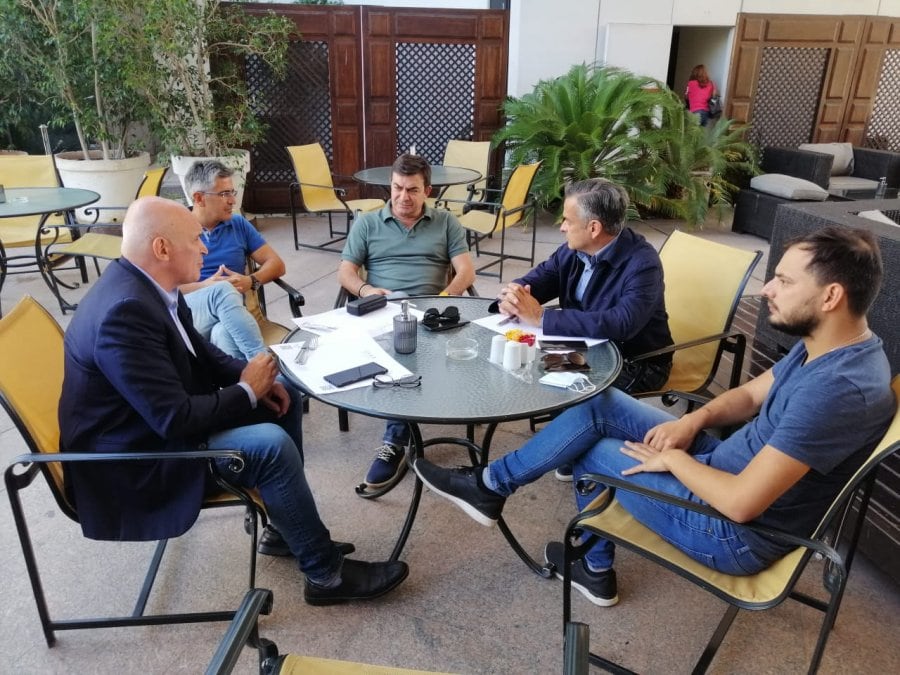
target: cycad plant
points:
(610, 123)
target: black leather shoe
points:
(359, 581)
(272, 543)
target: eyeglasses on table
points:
(405, 382)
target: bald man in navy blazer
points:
(138, 377)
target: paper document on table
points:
(334, 352)
(375, 323)
(492, 322)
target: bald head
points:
(162, 237)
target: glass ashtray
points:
(462, 349)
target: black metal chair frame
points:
(335, 236)
(36, 462)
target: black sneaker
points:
(564, 473)
(389, 465)
(598, 587)
(463, 487)
(272, 543)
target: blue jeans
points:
(590, 436)
(704, 117)
(274, 465)
(220, 316)
(396, 433)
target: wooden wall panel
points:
(488, 30)
(857, 45)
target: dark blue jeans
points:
(274, 465)
(590, 436)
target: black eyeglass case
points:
(365, 305)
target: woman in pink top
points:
(698, 92)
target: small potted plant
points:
(198, 96)
(70, 56)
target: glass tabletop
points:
(440, 175)
(466, 391)
(35, 201)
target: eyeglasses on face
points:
(387, 382)
(224, 194)
(434, 317)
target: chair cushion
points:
(842, 153)
(878, 217)
(851, 183)
(788, 187)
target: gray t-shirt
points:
(415, 260)
(829, 414)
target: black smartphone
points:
(351, 375)
(562, 345)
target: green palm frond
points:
(607, 122)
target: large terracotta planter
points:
(239, 161)
(116, 180)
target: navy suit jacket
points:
(623, 301)
(131, 384)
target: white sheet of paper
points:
(375, 323)
(336, 351)
(492, 322)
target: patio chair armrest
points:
(524, 207)
(614, 483)
(686, 345)
(242, 630)
(340, 191)
(698, 399)
(295, 298)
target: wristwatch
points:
(254, 283)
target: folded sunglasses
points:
(554, 363)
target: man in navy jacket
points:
(609, 282)
(139, 377)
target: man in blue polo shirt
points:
(408, 247)
(217, 300)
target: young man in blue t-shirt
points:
(217, 301)
(781, 469)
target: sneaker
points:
(463, 487)
(564, 473)
(389, 465)
(598, 587)
(272, 543)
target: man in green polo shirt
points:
(407, 247)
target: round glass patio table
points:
(441, 176)
(465, 392)
(43, 202)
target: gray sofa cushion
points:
(788, 187)
(851, 183)
(842, 153)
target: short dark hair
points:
(845, 256)
(412, 165)
(601, 199)
(202, 175)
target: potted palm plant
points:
(610, 123)
(199, 100)
(69, 55)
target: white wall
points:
(547, 38)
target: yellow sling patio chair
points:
(515, 206)
(475, 155)
(834, 540)
(317, 194)
(31, 376)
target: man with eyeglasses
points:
(217, 301)
(408, 247)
